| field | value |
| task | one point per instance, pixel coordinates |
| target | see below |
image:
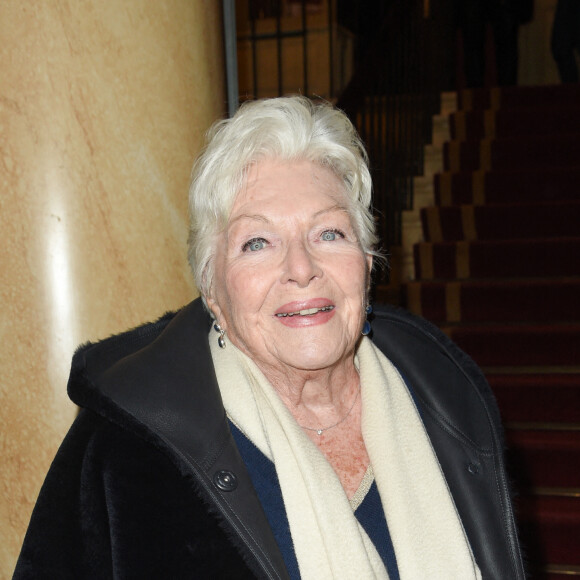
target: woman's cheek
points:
(247, 281)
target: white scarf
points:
(427, 534)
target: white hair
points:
(286, 129)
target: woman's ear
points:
(214, 308)
(369, 258)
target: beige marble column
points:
(103, 106)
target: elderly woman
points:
(259, 432)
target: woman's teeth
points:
(305, 312)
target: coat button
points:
(225, 480)
(473, 468)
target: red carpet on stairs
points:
(543, 300)
(540, 459)
(518, 152)
(507, 186)
(499, 271)
(538, 398)
(475, 125)
(501, 221)
(516, 345)
(549, 529)
(510, 98)
(556, 256)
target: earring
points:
(222, 332)
(366, 329)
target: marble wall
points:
(103, 106)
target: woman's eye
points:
(254, 245)
(331, 235)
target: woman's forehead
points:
(279, 183)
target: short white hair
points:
(285, 129)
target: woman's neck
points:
(316, 396)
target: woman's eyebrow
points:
(253, 217)
(262, 218)
(332, 209)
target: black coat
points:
(149, 483)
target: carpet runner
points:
(539, 299)
(533, 121)
(498, 258)
(538, 398)
(533, 184)
(499, 271)
(501, 221)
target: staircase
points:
(498, 268)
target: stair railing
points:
(391, 101)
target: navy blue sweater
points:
(370, 512)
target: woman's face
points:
(290, 275)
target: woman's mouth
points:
(305, 312)
(302, 314)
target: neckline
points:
(363, 488)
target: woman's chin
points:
(313, 356)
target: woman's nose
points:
(300, 266)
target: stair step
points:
(497, 258)
(530, 121)
(498, 345)
(533, 398)
(548, 96)
(512, 152)
(550, 528)
(433, 159)
(440, 130)
(501, 221)
(542, 459)
(448, 103)
(423, 195)
(507, 186)
(557, 572)
(534, 300)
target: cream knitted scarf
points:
(426, 531)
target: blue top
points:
(263, 474)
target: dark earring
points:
(366, 329)
(222, 332)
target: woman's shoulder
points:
(115, 364)
(448, 383)
(156, 382)
(393, 317)
(398, 330)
